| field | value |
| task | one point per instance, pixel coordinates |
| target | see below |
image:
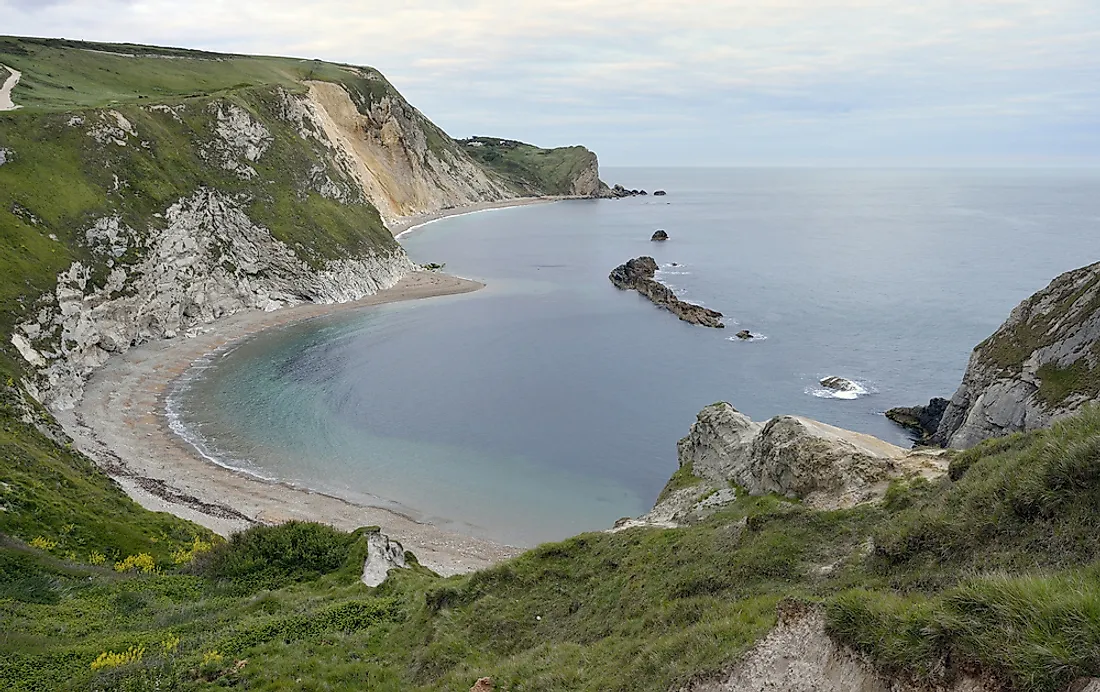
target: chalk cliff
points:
(134, 213)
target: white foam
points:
(861, 389)
(422, 224)
(755, 336)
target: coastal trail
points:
(6, 103)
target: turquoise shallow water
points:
(550, 403)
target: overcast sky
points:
(689, 82)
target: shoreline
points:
(122, 424)
(407, 224)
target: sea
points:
(549, 403)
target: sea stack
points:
(659, 235)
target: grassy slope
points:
(528, 168)
(994, 567)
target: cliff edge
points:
(1039, 366)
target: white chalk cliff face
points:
(209, 261)
(1040, 365)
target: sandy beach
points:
(122, 425)
(407, 223)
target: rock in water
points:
(638, 274)
(659, 193)
(382, 556)
(839, 384)
(659, 234)
(922, 420)
(745, 335)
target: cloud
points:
(778, 79)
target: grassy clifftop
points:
(535, 171)
(992, 568)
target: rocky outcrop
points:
(659, 235)
(1043, 363)
(383, 555)
(745, 335)
(618, 192)
(638, 274)
(208, 261)
(922, 421)
(659, 193)
(838, 384)
(825, 466)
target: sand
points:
(409, 223)
(121, 424)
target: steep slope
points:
(1041, 364)
(981, 579)
(145, 192)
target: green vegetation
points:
(531, 170)
(683, 477)
(993, 567)
(1008, 350)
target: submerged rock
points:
(745, 335)
(638, 274)
(659, 234)
(659, 193)
(922, 420)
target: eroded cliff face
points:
(403, 163)
(208, 261)
(1041, 364)
(142, 273)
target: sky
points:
(691, 82)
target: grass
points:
(1007, 350)
(529, 169)
(992, 568)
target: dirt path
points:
(6, 103)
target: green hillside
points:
(531, 170)
(991, 568)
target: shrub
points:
(267, 557)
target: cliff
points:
(530, 170)
(145, 192)
(1040, 365)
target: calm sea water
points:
(550, 403)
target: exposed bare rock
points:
(659, 193)
(1043, 363)
(659, 234)
(210, 260)
(798, 656)
(638, 274)
(383, 555)
(745, 335)
(826, 466)
(838, 384)
(922, 421)
(483, 685)
(386, 147)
